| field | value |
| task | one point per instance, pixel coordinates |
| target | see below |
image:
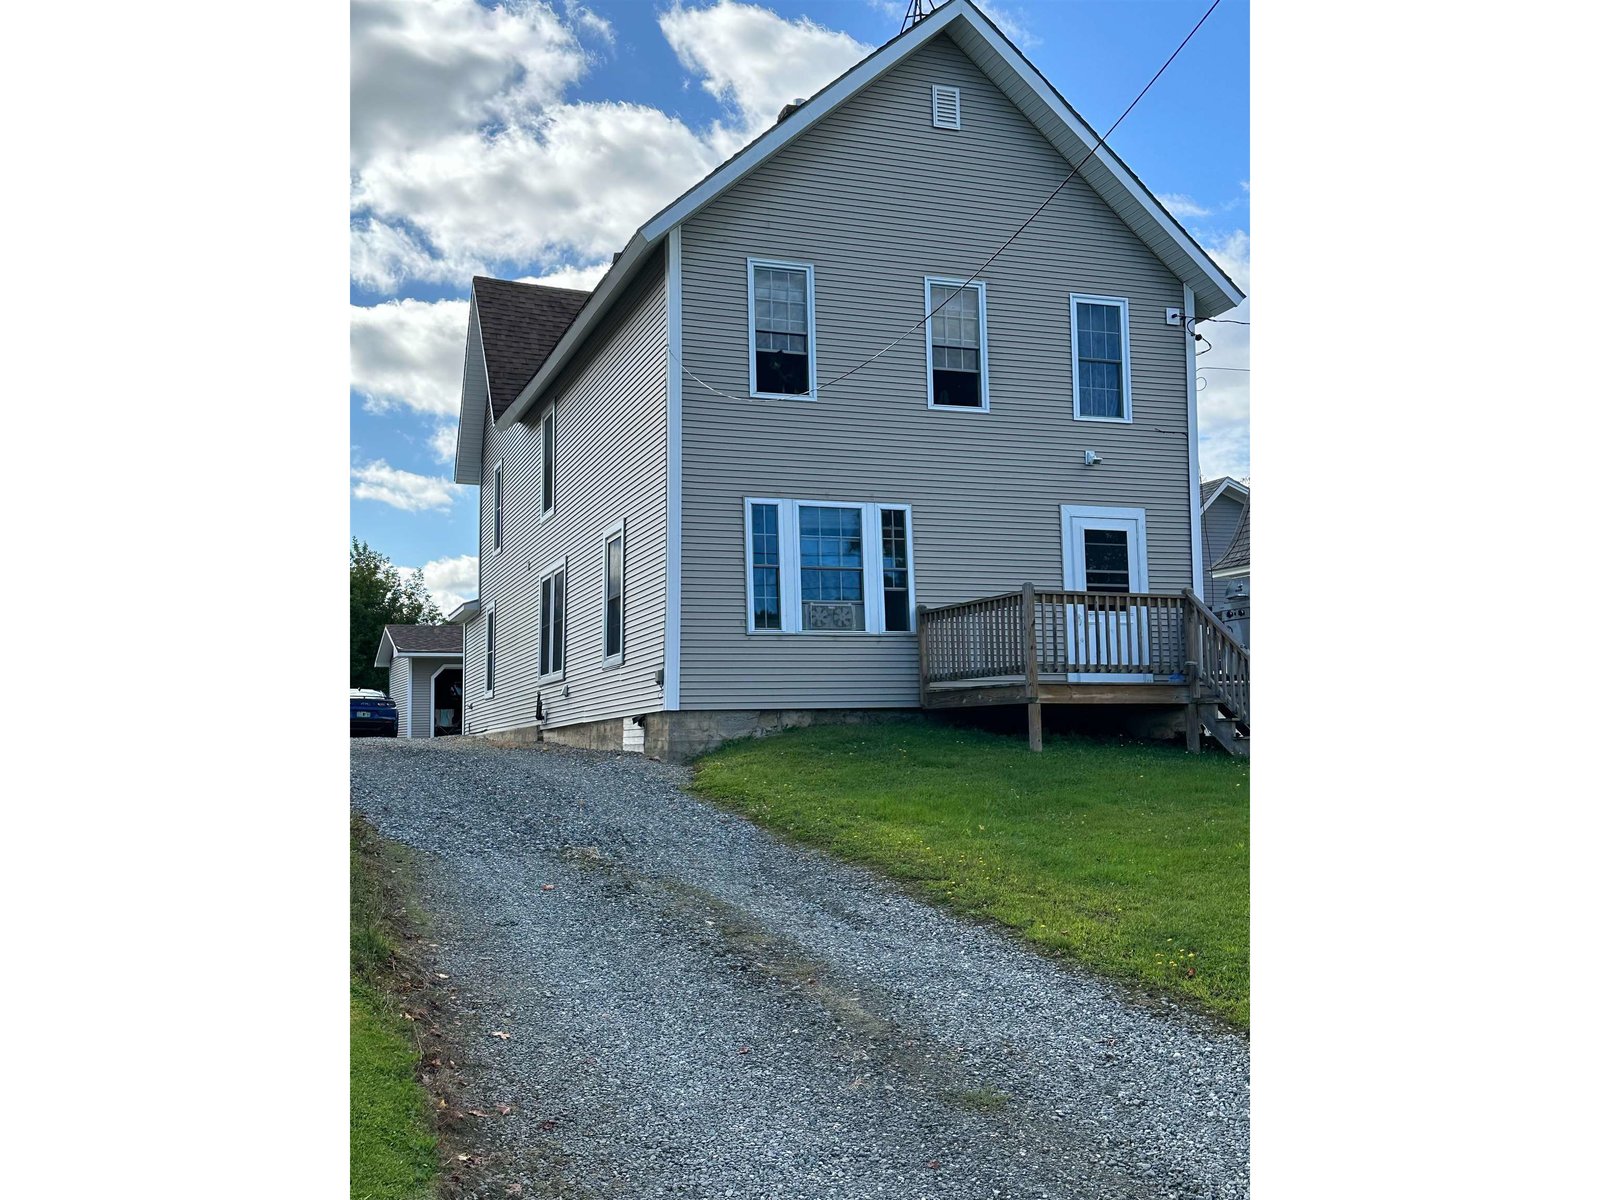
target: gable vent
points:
(946, 107)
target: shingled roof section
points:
(521, 324)
(425, 639)
(1238, 553)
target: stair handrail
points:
(1232, 687)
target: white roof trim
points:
(968, 25)
(1229, 484)
(469, 467)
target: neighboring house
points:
(1231, 572)
(716, 493)
(1222, 506)
(425, 677)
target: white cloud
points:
(409, 353)
(443, 441)
(1182, 206)
(1224, 402)
(421, 69)
(754, 61)
(582, 278)
(404, 490)
(448, 580)
(462, 129)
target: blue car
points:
(372, 714)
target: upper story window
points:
(782, 329)
(547, 463)
(499, 507)
(1102, 382)
(825, 567)
(612, 650)
(553, 621)
(958, 344)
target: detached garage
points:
(424, 664)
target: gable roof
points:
(520, 324)
(1237, 555)
(995, 55)
(444, 641)
(1210, 489)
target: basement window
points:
(946, 107)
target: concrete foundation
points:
(679, 735)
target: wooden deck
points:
(1033, 647)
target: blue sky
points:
(529, 140)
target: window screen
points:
(613, 633)
(1105, 560)
(552, 622)
(832, 593)
(957, 345)
(1099, 360)
(782, 332)
(896, 572)
(765, 595)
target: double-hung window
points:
(499, 506)
(612, 635)
(1102, 382)
(547, 463)
(958, 344)
(553, 620)
(488, 654)
(826, 567)
(783, 330)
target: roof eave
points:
(463, 613)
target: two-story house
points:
(746, 478)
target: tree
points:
(378, 597)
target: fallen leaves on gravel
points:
(501, 1034)
(505, 1109)
(547, 887)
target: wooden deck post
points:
(1030, 669)
(1191, 669)
(922, 655)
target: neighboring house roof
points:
(1210, 489)
(1236, 558)
(520, 324)
(995, 55)
(404, 641)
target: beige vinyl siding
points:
(610, 466)
(876, 198)
(1218, 524)
(400, 693)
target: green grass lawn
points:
(393, 1153)
(1132, 858)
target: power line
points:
(1023, 227)
(1246, 370)
(1221, 321)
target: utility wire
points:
(1023, 227)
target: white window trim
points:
(555, 565)
(488, 626)
(811, 323)
(1073, 300)
(1089, 514)
(498, 520)
(619, 532)
(928, 282)
(789, 568)
(942, 87)
(547, 503)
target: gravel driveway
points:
(699, 1009)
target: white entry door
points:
(1103, 550)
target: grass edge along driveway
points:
(393, 1152)
(1131, 858)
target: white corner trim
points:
(928, 282)
(1196, 546)
(811, 324)
(1121, 303)
(672, 657)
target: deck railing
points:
(1073, 633)
(1091, 636)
